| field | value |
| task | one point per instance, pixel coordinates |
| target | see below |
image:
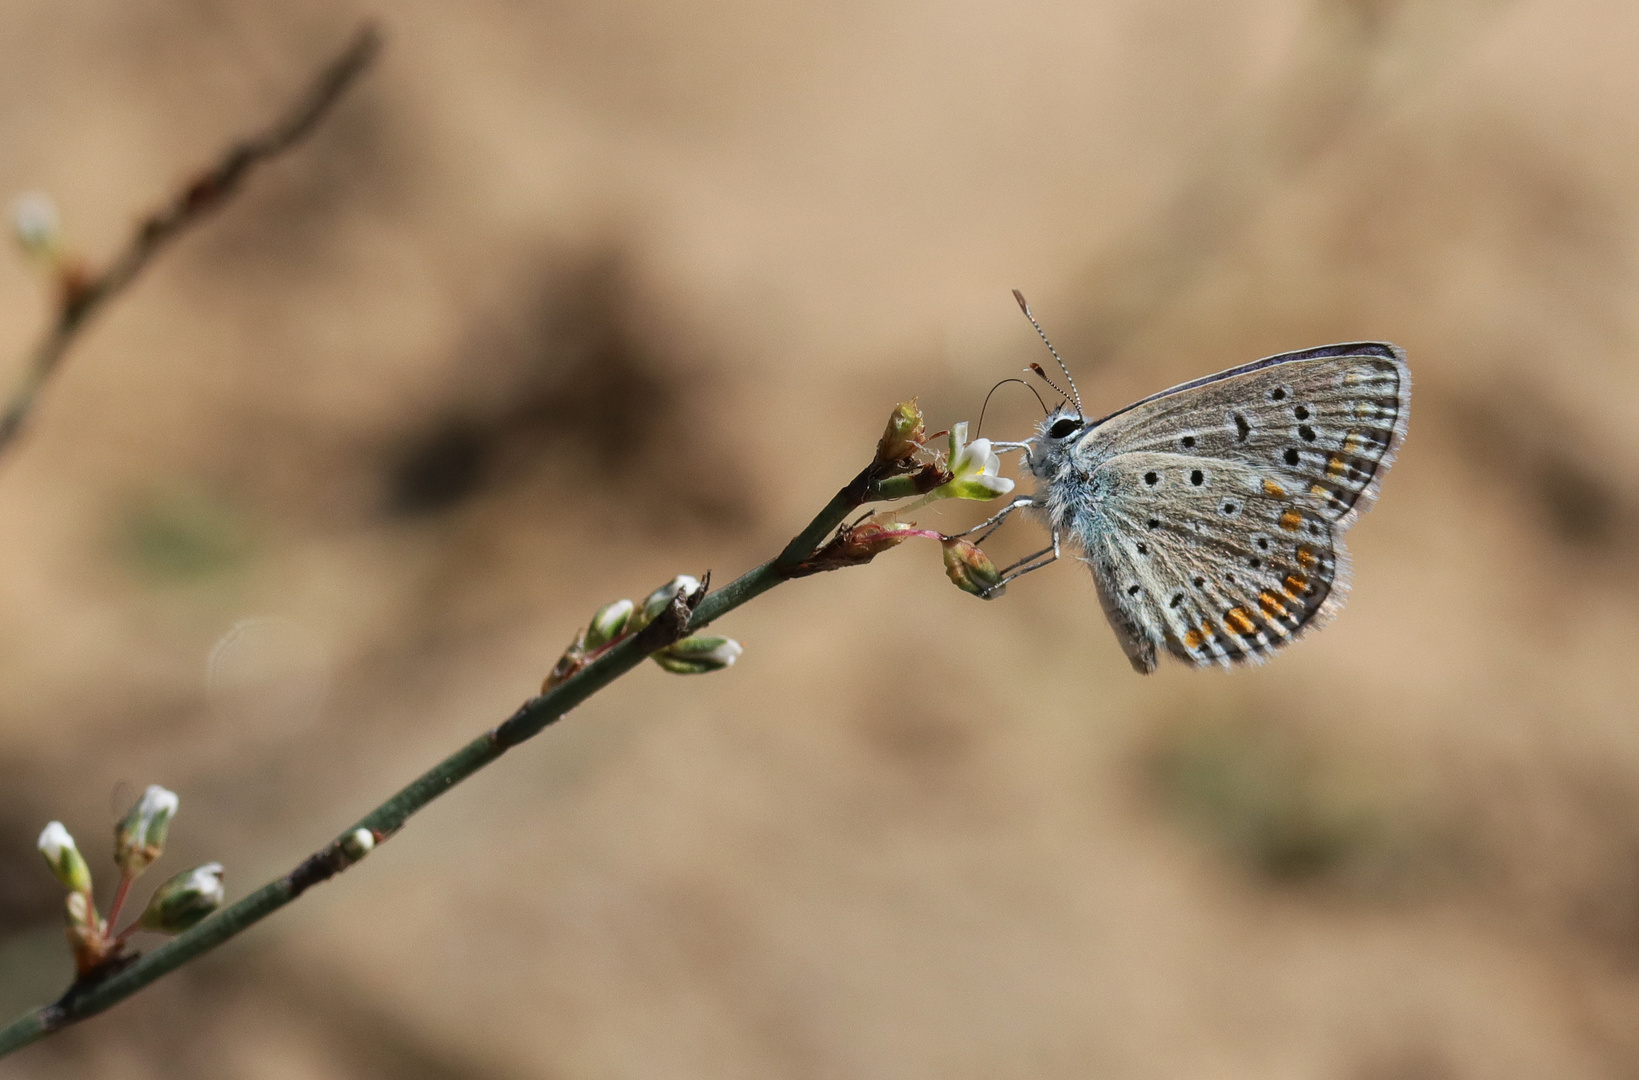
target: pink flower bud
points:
(972, 570)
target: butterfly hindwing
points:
(1211, 559)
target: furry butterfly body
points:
(1212, 514)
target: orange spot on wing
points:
(1240, 621)
(1193, 639)
(1291, 521)
(1273, 490)
(1296, 585)
(1353, 443)
(1307, 557)
(1271, 605)
(1336, 466)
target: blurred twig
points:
(687, 615)
(79, 299)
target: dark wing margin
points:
(1381, 349)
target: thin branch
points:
(209, 190)
(687, 615)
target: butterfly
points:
(1212, 514)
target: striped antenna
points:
(1074, 394)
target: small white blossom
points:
(975, 469)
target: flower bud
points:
(357, 844)
(35, 225)
(904, 434)
(972, 570)
(184, 900)
(661, 598)
(65, 859)
(570, 663)
(140, 838)
(920, 481)
(698, 655)
(608, 624)
(856, 545)
(866, 541)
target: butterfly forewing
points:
(1215, 511)
(1326, 424)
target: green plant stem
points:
(93, 995)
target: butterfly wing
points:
(1210, 559)
(1213, 512)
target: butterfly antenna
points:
(981, 425)
(1074, 394)
(1041, 374)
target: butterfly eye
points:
(1063, 429)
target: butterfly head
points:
(1058, 431)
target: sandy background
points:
(569, 298)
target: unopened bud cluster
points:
(904, 466)
(970, 470)
(613, 623)
(139, 839)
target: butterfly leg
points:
(1045, 557)
(985, 528)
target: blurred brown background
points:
(570, 297)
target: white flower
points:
(64, 858)
(975, 469)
